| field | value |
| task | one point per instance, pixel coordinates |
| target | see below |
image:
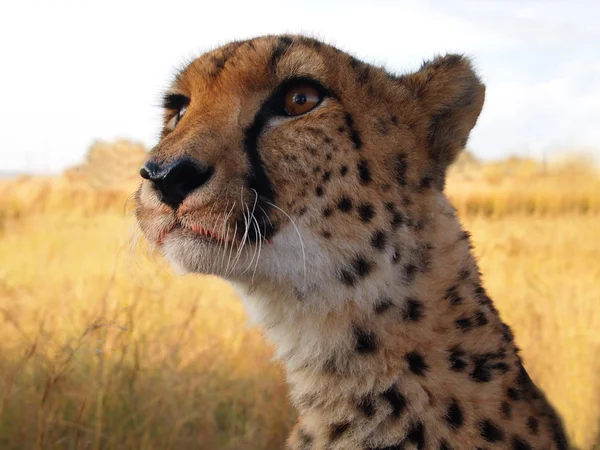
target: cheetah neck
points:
(412, 345)
(402, 323)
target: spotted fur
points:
(334, 227)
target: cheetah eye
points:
(300, 99)
(180, 114)
(177, 103)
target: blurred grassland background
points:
(103, 347)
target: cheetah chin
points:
(314, 183)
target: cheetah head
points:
(283, 160)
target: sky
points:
(77, 71)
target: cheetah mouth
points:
(205, 234)
(197, 231)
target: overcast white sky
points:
(75, 71)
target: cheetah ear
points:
(450, 96)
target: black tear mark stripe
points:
(258, 178)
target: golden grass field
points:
(103, 347)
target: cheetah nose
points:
(176, 180)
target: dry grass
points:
(104, 349)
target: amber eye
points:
(180, 114)
(301, 99)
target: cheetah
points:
(314, 183)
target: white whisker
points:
(297, 232)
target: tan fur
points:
(366, 284)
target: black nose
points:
(177, 179)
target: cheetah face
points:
(284, 159)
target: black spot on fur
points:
(444, 445)
(501, 367)
(514, 394)
(416, 363)
(482, 297)
(362, 267)
(390, 207)
(358, 268)
(327, 234)
(410, 271)
(520, 444)
(396, 400)
(347, 277)
(425, 183)
(481, 372)
(319, 191)
(416, 435)
(401, 167)
(413, 310)
(394, 120)
(533, 425)
(397, 220)
(363, 171)
(452, 296)
(367, 405)
(337, 430)
(506, 410)
(457, 363)
(343, 170)
(490, 431)
(507, 333)
(344, 204)
(383, 305)
(366, 212)
(326, 175)
(354, 136)
(454, 415)
(327, 212)
(366, 341)
(378, 240)
(464, 323)
(480, 319)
